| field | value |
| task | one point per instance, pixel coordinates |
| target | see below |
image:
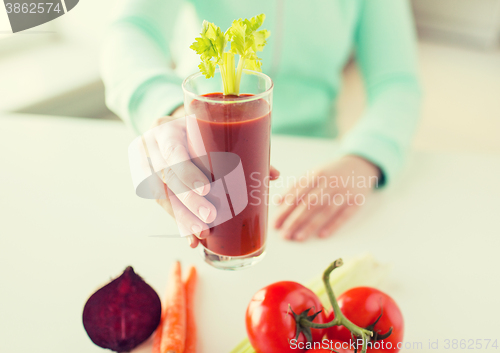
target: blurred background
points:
(53, 69)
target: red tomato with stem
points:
(363, 306)
(270, 323)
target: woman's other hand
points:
(318, 204)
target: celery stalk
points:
(245, 40)
(239, 71)
(229, 74)
(362, 270)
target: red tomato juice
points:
(244, 129)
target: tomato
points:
(333, 346)
(271, 325)
(362, 306)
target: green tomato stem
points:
(339, 318)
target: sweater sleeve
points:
(386, 55)
(140, 83)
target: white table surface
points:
(69, 221)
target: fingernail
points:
(196, 229)
(204, 213)
(190, 240)
(199, 187)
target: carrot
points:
(190, 285)
(158, 332)
(173, 336)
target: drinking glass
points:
(229, 140)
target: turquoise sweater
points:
(310, 43)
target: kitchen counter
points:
(70, 221)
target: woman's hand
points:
(192, 210)
(319, 203)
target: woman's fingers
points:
(289, 201)
(187, 222)
(183, 178)
(300, 216)
(193, 241)
(166, 205)
(334, 223)
(199, 206)
(318, 206)
(339, 188)
(314, 222)
(184, 183)
(299, 224)
(179, 162)
(294, 197)
(195, 203)
(274, 173)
